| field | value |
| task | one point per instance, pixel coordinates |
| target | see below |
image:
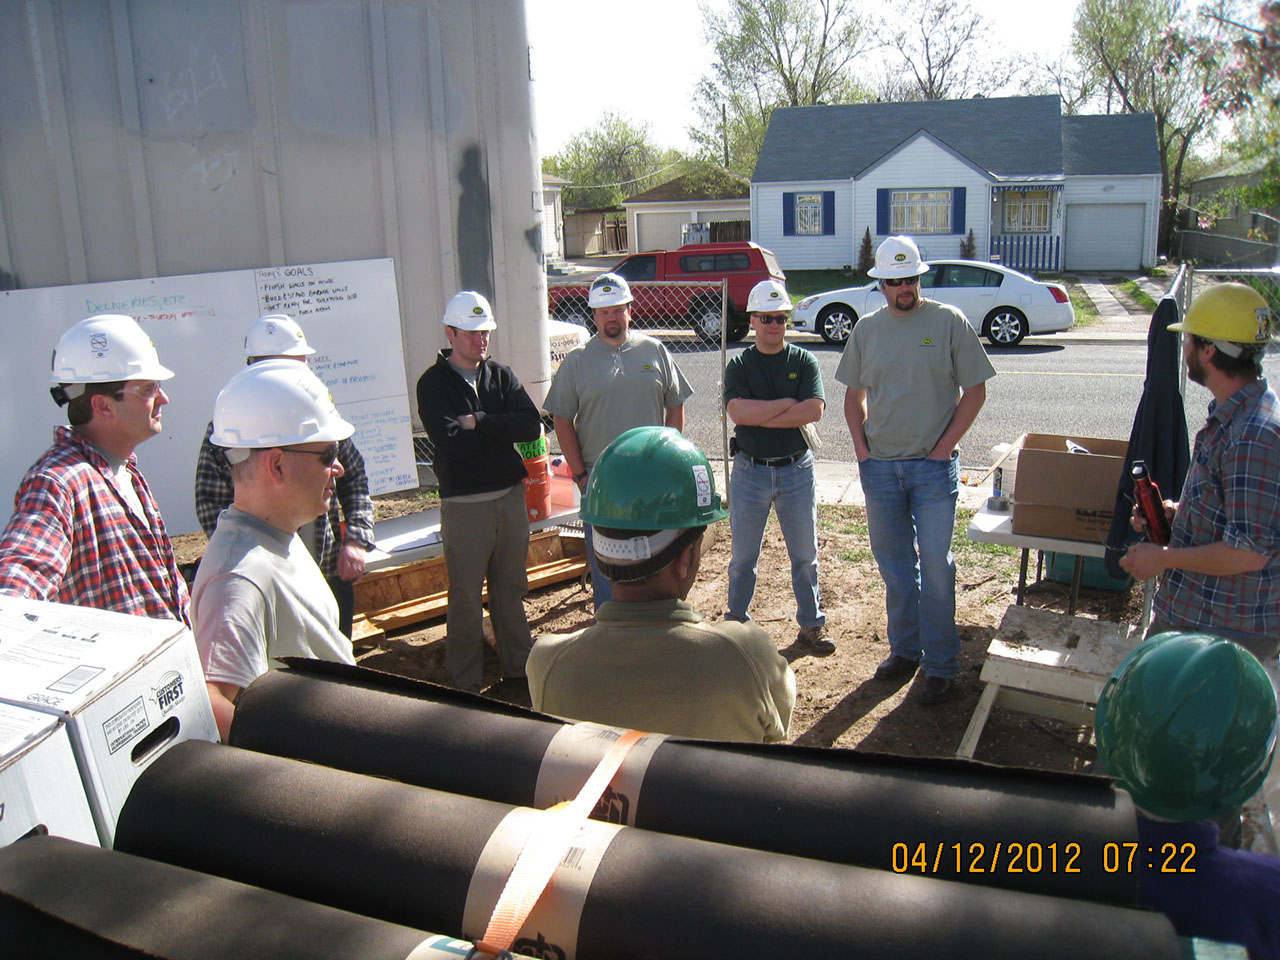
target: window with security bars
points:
(809, 214)
(920, 211)
(1027, 212)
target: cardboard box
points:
(40, 789)
(127, 688)
(1065, 495)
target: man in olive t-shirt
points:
(916, 377)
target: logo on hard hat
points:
(899, 257)
(477, 310)
(1264, 323)
(702, 484)
(98, 342)
(606, 288)
(773, 294)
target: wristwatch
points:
(579, 477)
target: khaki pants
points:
(486, 540)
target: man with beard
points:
(1220, 571)
(259, 594)
(916, 378)
(85, 528)
(617, 380)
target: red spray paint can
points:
(1151, 504)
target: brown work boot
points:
(815, 638)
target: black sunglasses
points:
(328, 456)
(902, 282)
(767, 319)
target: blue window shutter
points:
(788, 214)
(882, 212)
(829, 213)
(957, 209)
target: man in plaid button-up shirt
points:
(85, 528)
(1220, 571)
(339, 540)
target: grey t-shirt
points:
(259, 595)
(912, 369)
(608, 390)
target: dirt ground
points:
(838, 704)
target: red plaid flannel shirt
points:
(72, 538)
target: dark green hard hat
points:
(651, 478)
(1188, 725)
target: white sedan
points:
(1002, 304)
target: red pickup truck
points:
(690, 294)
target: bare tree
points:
(944, 51)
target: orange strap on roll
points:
(543, 851)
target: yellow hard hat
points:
(1232, 312)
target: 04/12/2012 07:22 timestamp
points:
(1033, 857)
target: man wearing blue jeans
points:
(916, 377)
(771, 391)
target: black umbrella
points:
(1159, 434)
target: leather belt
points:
(778, 461)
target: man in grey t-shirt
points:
(617, 380)
(916, 377)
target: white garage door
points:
(659, 231)
(1104, 236)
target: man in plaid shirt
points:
(339, 540)
(85, 528)
(1220, 572)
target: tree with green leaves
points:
(768, 54)
(1121, 49)
(610, 161)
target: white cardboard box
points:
(40, 786)
(126, 687)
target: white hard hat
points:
(608, 290)
(276, 403)
(898, 257)
(768, 296)
(103, 349)
(469, 310)
(276, 335)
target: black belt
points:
(778, 461)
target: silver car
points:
(1003, 305)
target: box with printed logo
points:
(40, 789)
(127, 688)
(1066, 486)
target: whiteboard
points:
(351, 315)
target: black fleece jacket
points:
(483, 459)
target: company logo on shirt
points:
(648, 366)
(927, 342)
(793, 375)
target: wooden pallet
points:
(400, 596)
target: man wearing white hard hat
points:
(258, 594)
(773, 394)
(615, 381)
(340, 539)
(85, 528)
(916, 377)
(475, 411)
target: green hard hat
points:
(651, 478)
(1188, 724)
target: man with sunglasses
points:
(475, 410)
(85, 528)
(916, 377)
(772, 391)
(615, 381)
(259, 594)
(338, 540)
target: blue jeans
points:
(601, 586)
(753, 489)
(911, 505)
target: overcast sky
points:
(643, 60)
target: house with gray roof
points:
(683, 210)
(1040, 191)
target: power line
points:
(623, 183)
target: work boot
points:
(936, 690)
(815, 638)
(895, 667)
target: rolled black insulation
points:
(62, 899)
(407, 854)
(844, 806)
